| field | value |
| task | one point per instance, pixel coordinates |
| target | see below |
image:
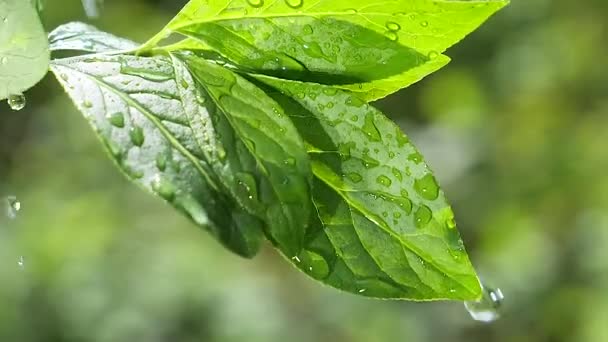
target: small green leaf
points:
(135, 106)
(82, 37)
(379, 207)
(273, 166)
(24, 51)
(330, 42)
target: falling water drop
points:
(487, 308)
(17, 101)
(12, 207)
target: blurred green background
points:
(516, 128)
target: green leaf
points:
(354, 44)
(136, 107)
(24, 51)
(82, 37)
(279, 168)
(384, 227)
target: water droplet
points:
(12, 207)
(296, 259)
(415, 157)
(137, 136)
(117, 119)
(184, 84)
(391, 35)
(163, 187)
(362, 290)
(451, 221)
(397, 174)
(330, 91)
(427, 187)
(256, 3)
(17, 101)
(351, 11)
(370, 129)
(424, 23)
(315, 264)
(290, 161)
(3, 60)
(354, 177)
(422, 216)
(384, 180)
(486, 309)
(433, 54)
(247, 185)
(21, 262)
(307, 29)
(294, 3)
(161, 162)
(393, 26)
(329, 105)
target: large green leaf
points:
(24, 51)
(384, 227)
(371, 47)
(136, 107)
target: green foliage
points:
(257, 124)
(24, 48)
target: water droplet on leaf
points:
(117, 119)
(294, 3)
(422, 216)
(427, 187)
(256, 3)
(137, 136)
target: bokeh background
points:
(516, 128)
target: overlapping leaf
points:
(24, 49)
(380, 208)
(353, 44)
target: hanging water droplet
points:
(487, 308)
(17, 101)
(12, 207)
(21, 262)
(294, 3)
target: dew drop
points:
(256, 3)
(117, 119)
(415, 157)
(294, 3)
(422, 216)
(17, 101)
(487, 308)
(3, 60)
(87, 104)
(370, 129)
(307, 29)
(384, 180)
(290, 161)
(391, 35)
(163, 187)
(354, 177)
(433, 54)
(424, 23)
(161, 162)
(137, 136)
(427, 187)
(393, 26)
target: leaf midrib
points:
(150, 116)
